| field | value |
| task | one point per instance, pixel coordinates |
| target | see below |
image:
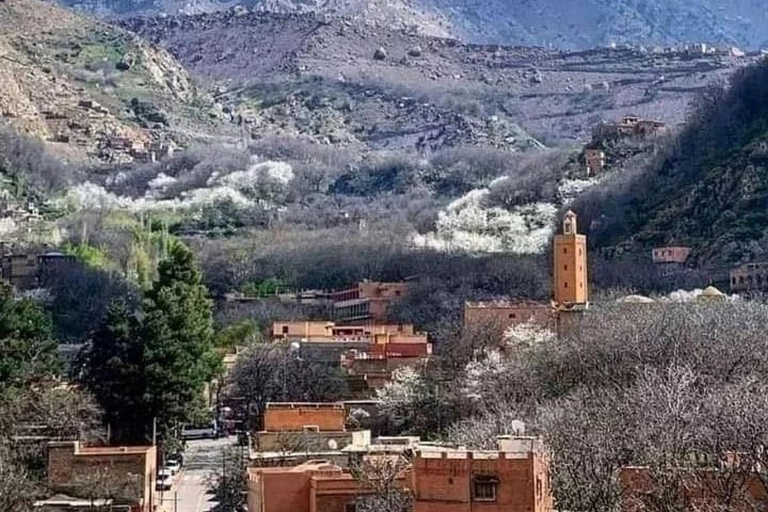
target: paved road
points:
(190, 491)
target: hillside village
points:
(333, 455)
(358, 256)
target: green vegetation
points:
(153, 364)
(710, 189)
(238, 334)
(27, 348)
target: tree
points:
(230, 482)
(177, 334)
(27, 350)
(114, 372)
(266, 373)
(383, 478)
(16, 490)
(153, 365)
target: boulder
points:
(380, 54)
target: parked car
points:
(177, 458)
(173, 465)
(164, 480)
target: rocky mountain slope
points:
(574, 24)
(709, 192)
(93, 90)
(356, 82)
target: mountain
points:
(387, 86)
(571, 24)
(92, 90)
(709, 191)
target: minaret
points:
(571, 287)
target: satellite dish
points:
(333, 445)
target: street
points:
(190, 490)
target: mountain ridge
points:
(567, 24)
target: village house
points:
(306, 427)
(514, 478)
(125, 473)
(315, 486)
(594, 159)
(628, 126)
(749, 277)
(333, 344)
(368, 301)
(664, 255)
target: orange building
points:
(570, 283)
(570, 290)
(315, 486)
(504, 314)
(699, 490)
(296, 417)
(290, 427)
(679, 255)
(368, 301)
(126, 473)
(515, 479)
(329, 331)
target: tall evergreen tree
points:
(179, 358)
(113, 373)
(154, 365)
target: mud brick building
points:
(127, 473)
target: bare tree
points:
(383, 477)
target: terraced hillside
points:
(93, 90)
(363, 76)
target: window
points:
(350, 507)
(565, 250)
(733, 280)
(485, 488)
(397, 293)
(565, 285)
(512, 315)
(285, 329)
(565, 267)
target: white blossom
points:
(527, 335)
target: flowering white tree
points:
(400, 394)
(481, 373)
(527, 335)
(469, 225)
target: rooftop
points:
(101, 450)
(510, 303)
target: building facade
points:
(126, 473)
(595, 161)
(671, 255)
(514, 479)
(750, 277)
(368, 301)
(501, 315)
(292, 427)
(570, 280)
